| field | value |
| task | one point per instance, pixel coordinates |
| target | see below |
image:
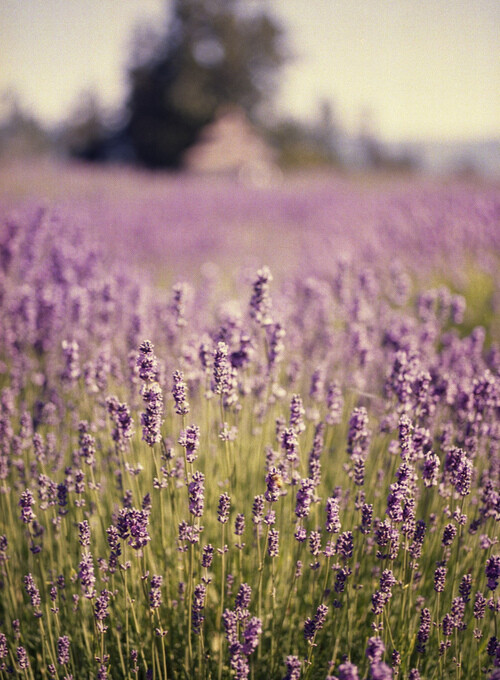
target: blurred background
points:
(254, 88)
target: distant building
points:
(231, 146)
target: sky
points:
(417, 69)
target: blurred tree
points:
(20, 133)
(85, 133)
(213, 54)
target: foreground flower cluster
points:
(297, 480)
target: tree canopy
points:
(212, 54)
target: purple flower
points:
(101, 610)
(304, 498)
(207, 556)
(335, 404)
(155, 591)
(258, 509)
(293, 665)
(387, 581)
(239, 524)
(32, 590)
(242, 600)
(22, 658)
(449, 533)
(479, 606)
(260, 302)
(197, 494)
(86, 575)
(84, 533)
(224, 507)
(311, 626)
(190, 440)
(314, 543)
(251, 635)
(152, 418)
(465, 587)
(375, 650)
(179, 393)
(439, 579)
(63, 650)
(71, 371)
(424, 630)
(341, 579)
(222, 369)
(132, 524)
(348, 671)
(199, 594)
(26, 502)
(274, 483)
(345, 545)
(290, 445)
(492, 571)
(366, 518)
(147, 362)
(120, 415)
(297, 413)
(333, 525)
(273, 543)
(380, 671)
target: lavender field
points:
(248, 431)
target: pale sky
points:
(426, 69)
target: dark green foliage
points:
(212, 55)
